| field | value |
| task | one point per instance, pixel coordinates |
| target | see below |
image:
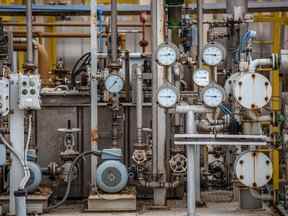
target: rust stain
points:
(94, 136)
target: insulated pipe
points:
(43, 66)
(259, 62)
(94, 89)
(139, 104)
(114, 31)
(29, 60)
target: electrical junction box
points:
(2, 155)
(4, 96)
(29, 92)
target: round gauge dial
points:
(201, 77)
(213, 54)
(167, 54)
(167, 96)
(114, 83)
(213, 95)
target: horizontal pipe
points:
(128, 9)
(259, 62)
(68, 34)
(71, 24)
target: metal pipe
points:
(157, 184)
(93, 90)
(29, 60)
(200, 30)
(158, 114)
(139, 104)
(72, 24)
(259, 62)
(191, 172)
(114, 31)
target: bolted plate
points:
(253, 169)
(252, 90)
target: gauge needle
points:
(210, 54)
(112, 85)
(212, 96)
(165, 96)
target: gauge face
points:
(167, 96)
(167, 54)
(213, 96)
(201, 77)
(114, 83)
(213, 54)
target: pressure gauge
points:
(114, 83)
(167, 54)
(167, 96)
(213, 54)
(201, 77)
(213, 95)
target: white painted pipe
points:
(259, 62)
(191, 169)
(263, 118)
(139, 104)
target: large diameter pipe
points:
(114, 31)
(93, 90)
(139, 104)
(29, 60)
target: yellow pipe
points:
(276, 169)
(275, 76)
(52, 45)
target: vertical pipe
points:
(114, 31)
(191, 169)
(29, 60)
(139, 104)
(158, 114)
(93, 89)
(200, 30)
(200, 47)
(16, 122)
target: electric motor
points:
(35, 177)
(111, 176)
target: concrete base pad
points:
(35, 203)
(112, 202)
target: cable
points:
(26, 178)
(67, 192)
(6, 143)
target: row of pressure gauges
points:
(212, 95)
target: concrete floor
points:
(212, 209)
